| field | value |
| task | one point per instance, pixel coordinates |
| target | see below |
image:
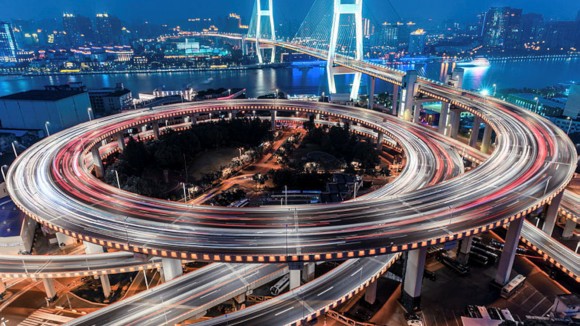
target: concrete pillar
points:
(475, 132)
(121, 141)
(273, 120)
(569, 229)
(417, 112)
(240, 298)
(455, 121)
(106, 284)
(395, 110)
(186, 119)
(415, 266)
(295, 269)
(155, 129)
(2, 287)
(171, 268)
(486, 140)
(49, 288)
(144, 128)
(62, 238)
(372, 93)
(380, 141)
(506, 261)
(98, 162)
(443, 117)
(308, 272)
(371, 293)
(409, 81)
(463, 251)
(551, 214)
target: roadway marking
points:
(358, 270)
(208, 294)
(323, 292)
(283, 311)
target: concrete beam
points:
(171, 268)
(91, 248)
(486, 140)
(49, 288)
(463, 251)
(551, 214)
(443, 117)
(475, 132)
(413, 281)
(569, 229)
(372, 93)
(62, 238)
(506, 261)
(98, 162)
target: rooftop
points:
(42, 95)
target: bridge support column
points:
(395, 100)
(371, 293)
(486, 140)
(106, 284)
(273, 120)
(144, 128)
(98, 162)
(569, 229)
(64, 239)
(155, 130)
(49, 288)
(455, 121)
(415, 266)
(380, 137)
(409, 92)
(506, 260)
(475, 132)
(90, 249)
(308, 272)
(463, 251)
(417, 112)
(2, 287)
(121, 141)
(294, 270)
(443, 117)
(551, 214)
(372, 93)
(268, 13)
(240, 298)
(171, 268)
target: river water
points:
(533, 73)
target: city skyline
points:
(455, 9)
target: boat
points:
(476, 62)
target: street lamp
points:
(537, 104)
(494, 89)
(14, 148)
(117, 176)
(229, 92)
(277, 93)
(4, 173)
(184, 193)
(46, 124)
(240, 150)
(569, 125)
(90, 113)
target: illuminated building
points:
(417, 42)
(78, 29)
(8, 47)
(502, 28)
(107, 29)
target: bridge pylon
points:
(267, 14)
(341, 9)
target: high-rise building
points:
(559, 35)
(387, 35)
(502, 28)
(417, 42)
(8, 47)
(78, 29)
(531, 27)
(107, 29)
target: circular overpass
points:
(52, 183)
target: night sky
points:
(176, 11)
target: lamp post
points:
(90, 113)
(46, 124)
(117, 176)
(184, 193)
(494, 89)
(537, 104)
(14, 148)
(4, 173)
(229, 92)
(569, 125)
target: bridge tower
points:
(267, 14)
(340, 9)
